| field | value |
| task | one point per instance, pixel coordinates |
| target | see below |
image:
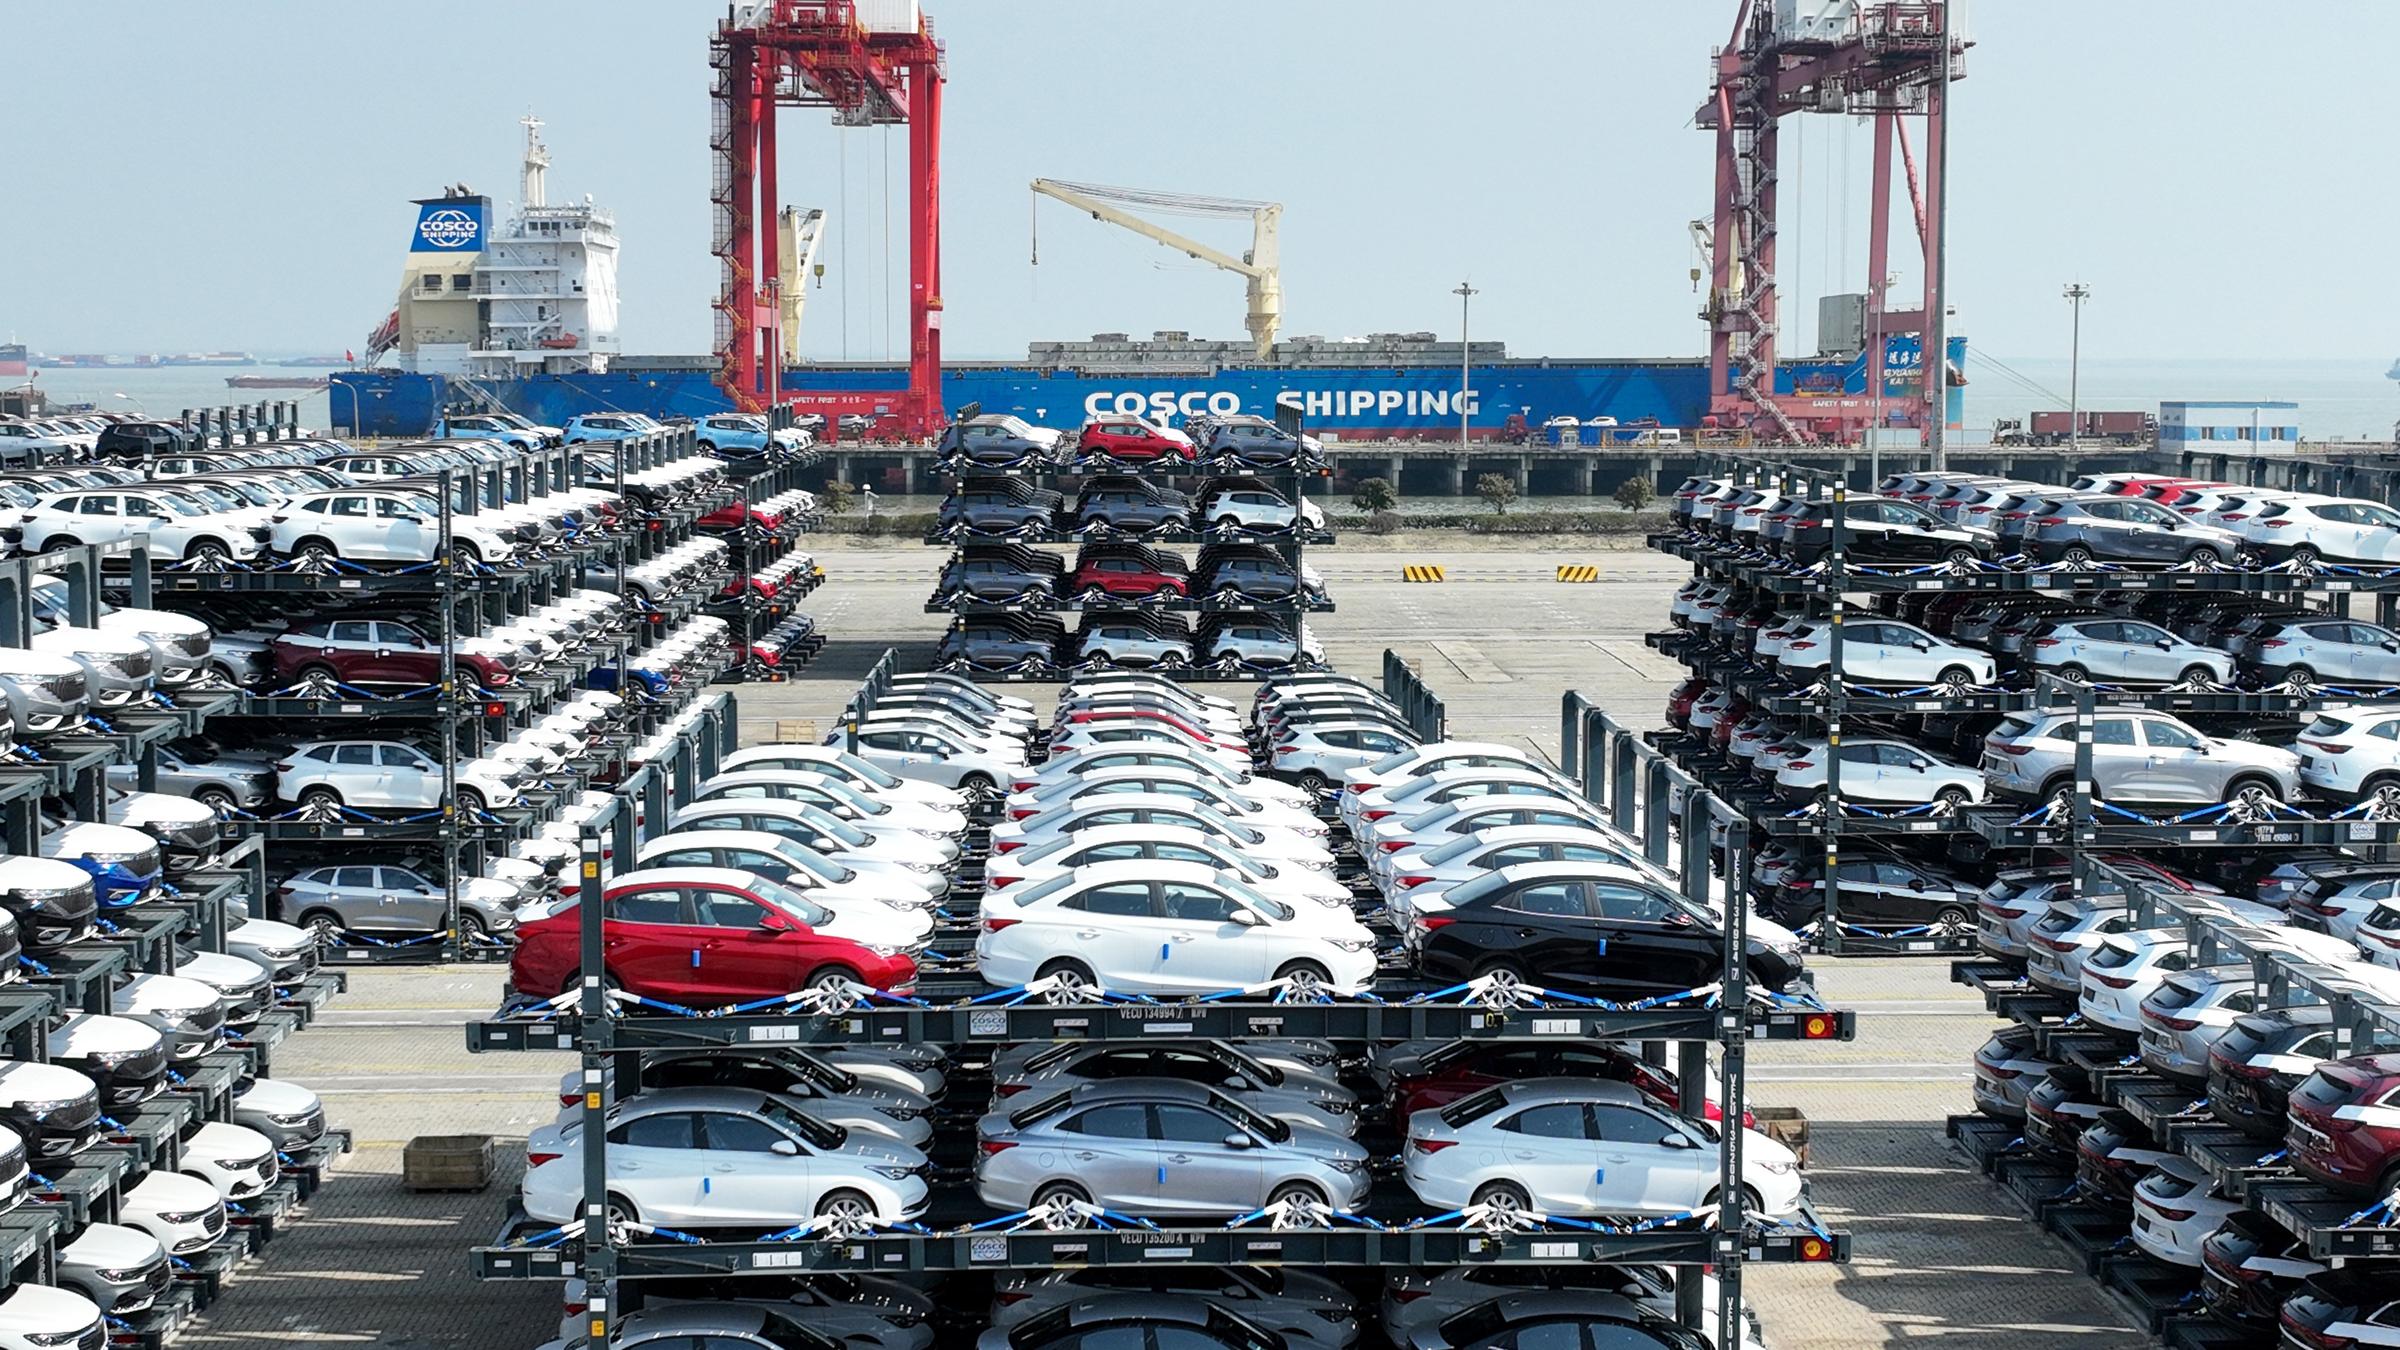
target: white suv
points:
(389, 775)
(174, 523)
(378, 525)
(1257, 509)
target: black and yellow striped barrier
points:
(1421, 572)
(1578, 572)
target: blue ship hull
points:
(1350, 402)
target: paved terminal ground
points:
(1940, 1254)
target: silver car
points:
(2126, 649)
(1265, 1089)
(392, 899)
(2136, 757)
(223, 786)
(121, 1270)
(1160, 1147)
(2327, 651)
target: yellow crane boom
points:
(1260, 267)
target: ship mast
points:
(533, 191)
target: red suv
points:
(370, 652)
(1133, 438)
(699, 936)
(731, 515)
(1679, 703)
(1130, 574)
(2345, 1124)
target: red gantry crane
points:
(1879, 59)
(874, 63)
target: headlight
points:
(112, 1058)
(919, 867)
(190, 1216)
(1354, 944)
(901, 1112)
(1345, 1166)
(110, 859)
(53, 1337)
(882, 951)
(1336, 1107)
(1778, 1169)
(896, 1173)
(128, 1276)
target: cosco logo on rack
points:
(449, 228)
(1132, 403)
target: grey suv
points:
(1131, 506)
(2125, 529)
(2136, 757)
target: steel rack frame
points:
(1727, 1016)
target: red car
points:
(1440, 1076)
(2345, 1124)
(731, 515)
(1679, 703)
(391, 653)
(1133, 438)
(699, 936)
(1123, 574)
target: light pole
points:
(2076, 294)
(1465, 294)
(137, 403)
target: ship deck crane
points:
(1260, 266)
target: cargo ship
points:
(275, 381)
(524, 315)
(12, 359)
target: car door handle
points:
(1183, 937)
(1522, 1154)
(1179, 1157)
(1087, 932)
(1525, 932)
(624, 1166)
(1085, 1157)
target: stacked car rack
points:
(76, 1182)
(1839, 590)
(771, 638)
(1165, 619)
(2308, 1226)
(951, 1008)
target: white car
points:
(1414, 796)
(821, 830)
(1168, 781)
(188, 1011)
(1887, 651)
(2175, 1208)
(1258, 509)
(1440, 825)
(1578, 1146)
(1418, 760)
(860, 1116)
(2326, 529)
(173, 523)
(379, 525)
(237, 1160)
(389, 776)
(854, 878)
(2352, 753)
(842, 801)
(2379, 936)
(1285, 879)
(1417, 878)
(2112, 649)
(1167, 928)
(1262, 840)
(1182, 759)
(1881, 772)
(185, 1214)
(792, 1168)
(861, 772)
(1082, 736)
(33, 1316)
(1315, 755)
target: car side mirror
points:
(1922, 645)
(1245, 918)
(784, 1148)
(1238, 1139)
(2166, 644)
(1676, 1141)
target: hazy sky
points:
(237, 175)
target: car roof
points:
(670, 876)
(1592, 871)
(1529, 1090)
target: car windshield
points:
(1265, 1127)
(816, 864)
(788, 900)
(179, 505)
(818, 1134)
(1468, 1110)
(1241, 891)
(866, 769)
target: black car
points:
(1879, 888)
(1000, 576)
(981, 506)
(1246, 573)
(1591, 930)
(997, 441)
(2250, 1266)
(1002, 642)
(1255, 441)
(2362, 1297)
(2057, 1111)
(1131, 506)
(2253, 1098)
(2101, 1176)
(1878, 530)
(136, 441)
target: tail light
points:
(996, 883)
(537, 1159)
(1801, 764)
(1021, 785)
(283, 768)
(1008, 845)
(2233, 515)
(2329, 747)
(2008, 749)
(1363, 788)
(2272, 642)
(994, 1147)
(2045, 642)
(1430, 1145)
(1377, 815)
(1024, 811)
(1412, 882)
(2174, 1023)
(1995, 1071)
(2277, 524)
(2050, 520)
(995, 925)
(1395, 845)
(1408, 1295)
(1798, 646)
(1007, 1297)
(1430, 922)
(1008, 1090)
(2112, 981)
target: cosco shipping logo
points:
(449, 227)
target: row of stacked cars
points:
(1147, 840)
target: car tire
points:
(1075, 972)
(1298, 1190)
(1059, 1190)
(464, 552)
(471, 800)
(211, 551)
(216, 799)
(2384, 791)
(1961, 553)
(1304, 971)
(1957, 677)
(326, 924)
(2252, 790)
(314, 670)
(848, 1206)
(2073, 673)
(708, 447)
(471, 927)
(1312, 782)
(1504, 969)
(318, 798)
(2075, 555)
(2196, 674)
(60, 542)
(316, 552)
(2205, 559)
(621, 1210)
(1952, 920)
(1954, 798)
(2299, 677)
(1505, 1196)
(831, 978)
(1752, 1202)
(2306, 555)
(976, 784)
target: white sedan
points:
(864, 811)
(1410, 796)
(790, 1167)
(1419, 877)
(851, 879)
(1579, 1146)
(831, 761)
(1150, 808)
(1431, 757)
(1166, 928)
(1285, 880)
(1118, 735)
(1882, 772)
(1168, 781)
(1198, 763)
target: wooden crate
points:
(448, 1162)
(1786, 1126)
(796, 730)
